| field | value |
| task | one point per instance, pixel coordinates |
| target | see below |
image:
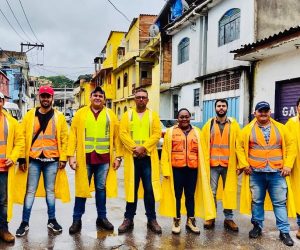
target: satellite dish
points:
(153, 30)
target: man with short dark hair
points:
(139, 132)
(94, 137)
(46, 137)
(220, 134)
(266, 153)
(293, 126)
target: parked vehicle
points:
(165, 123)
(13, 109)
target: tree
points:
(59, 81)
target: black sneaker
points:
(23, 228)
(255, 232)
(54, 226)
(286, 239)
(105, 224)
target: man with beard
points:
(46, 135)
(266, 152)
(139, 132)
(220, 135)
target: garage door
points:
(287, 94)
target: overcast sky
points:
(73, 31)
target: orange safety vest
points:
(46, 142)
(184, 149)
(3, 142)
(219, 145)
(261, 153)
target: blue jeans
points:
(215, 173)
(185, 179)
(298, 220)
(3, 200)
(100, 173)
(275, 184)
(49, 170)
(142, 170)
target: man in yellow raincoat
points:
(11, 143)
(220, 135)
(46, 135)
(94, 137)
(293, 126)
(139, 132)
(266, 152)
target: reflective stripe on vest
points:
(97, 132)
(219, 145)
(184, 149)
(261, 153)
(3, 136)
(46, 142)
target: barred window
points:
(222, 83)
(229, 26)
(196, 97)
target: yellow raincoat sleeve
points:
(150, 144)
(290, 148)
(117, 141)
(242, 145)
(63, 137)
(19, 141)
(165, 159)
(72, 142)
(125, 137)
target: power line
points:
(12, 26)
(18, 21)
(122, 13)
(28, 22)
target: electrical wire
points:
(12, 26)
(18, 21)
(28, 22)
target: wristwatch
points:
(119, 159)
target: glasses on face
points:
(141, 98)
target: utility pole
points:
(31, 46)
(65, 99)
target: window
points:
(125, 109)
(144, 74)
(229, 26)
(119, 83)
(196, 97)
(175, 105)
(183, 50)
(127, 46)
(125, 80)
(119, 113)
(222, 83)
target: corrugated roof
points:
(283, 35)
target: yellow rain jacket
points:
(61, 182)
(14, 146)
(289, 154)
(77, 145)
(150, 145)
(204, 200)
(293, 126)
(229, 193)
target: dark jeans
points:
(100, 174)
(185, 179)
(3, 200)
(142, 170)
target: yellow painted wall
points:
(85, 92)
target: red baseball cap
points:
(46, 90)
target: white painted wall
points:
(220, 58)
(188, 70)
(165, 105)
(186, 99)
(273, 69)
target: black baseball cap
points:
(262, 106)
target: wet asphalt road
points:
(39, 237)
